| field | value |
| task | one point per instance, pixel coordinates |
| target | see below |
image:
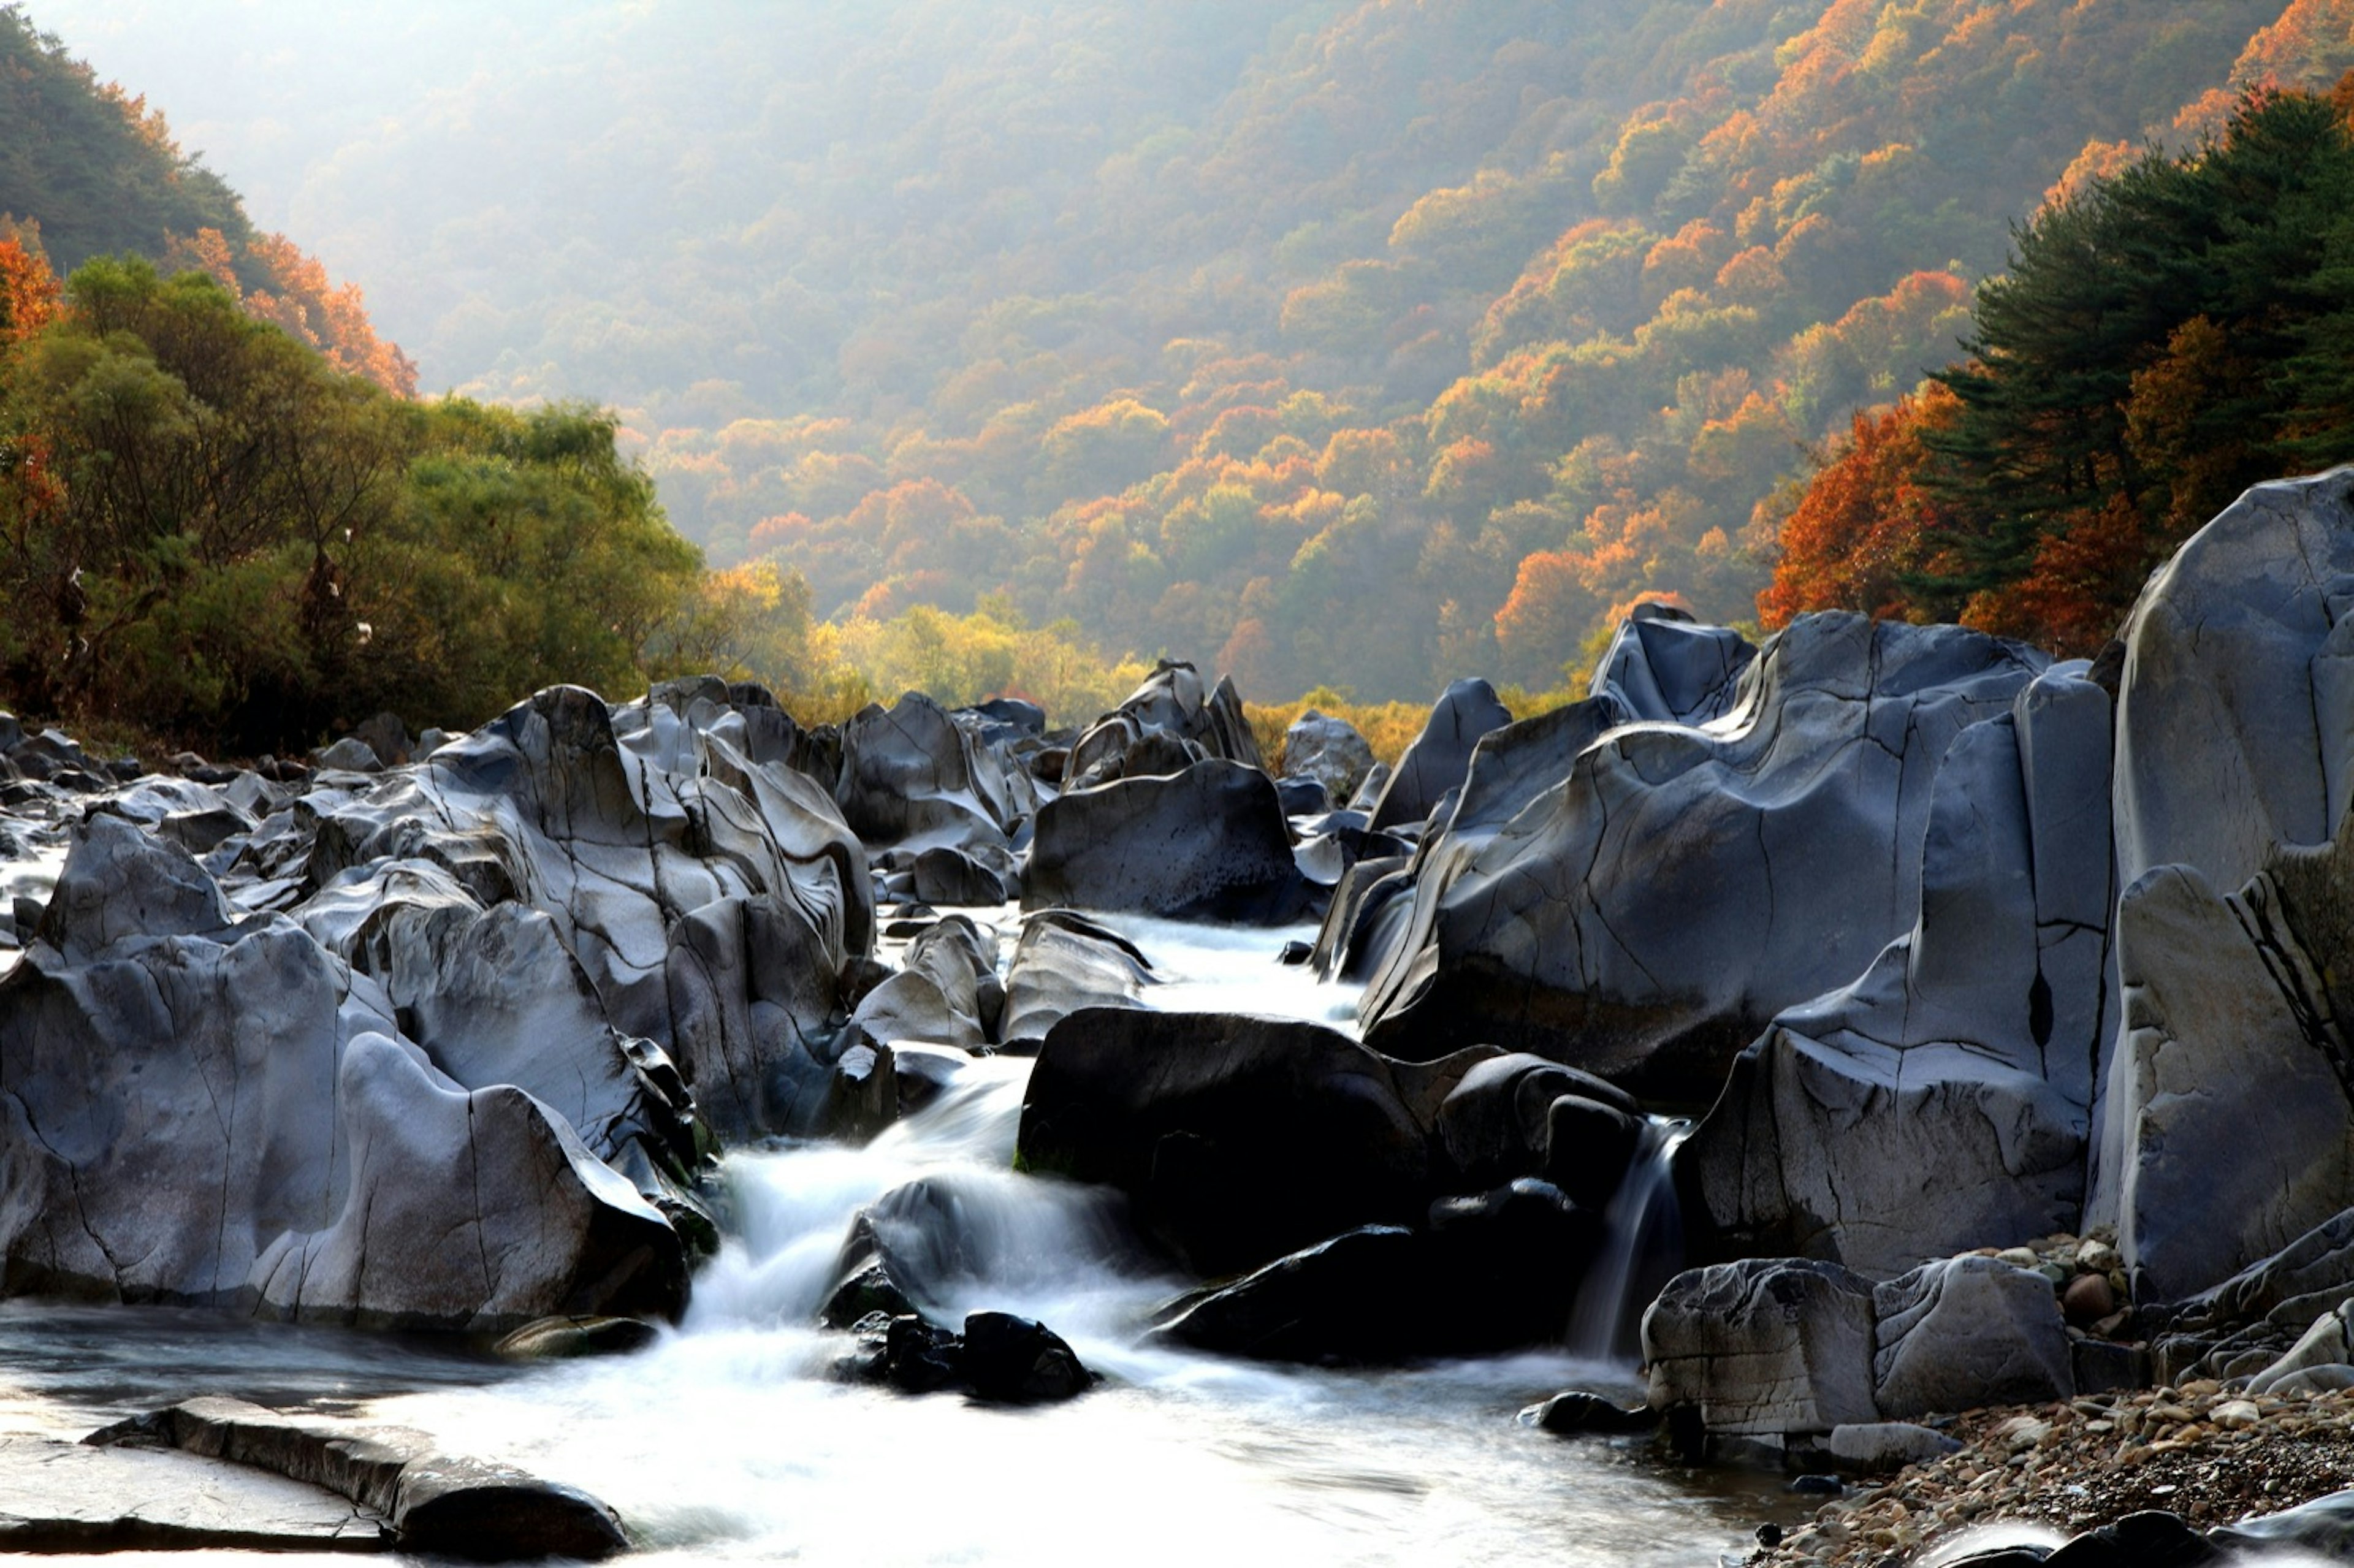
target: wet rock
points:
(1964, 1332)
(1576, 1414)
(1208, 843)
(1765, 1347)
(945, 875)
(1497, 1123)
(921, 1357)
(2150, 1539)
(1358, 1297)
(1018, 1361)
(1063, 962)
(1588, 1146)
(2323, 1527)
(1329, 750)
(437, 1505)
(569, 1338)
(349, 755)
(1509, 1263)
(1660, 903)
(1441, 755)
(1239, 1138)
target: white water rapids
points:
(725, 1440)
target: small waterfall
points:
(1642, 1249)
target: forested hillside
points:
(1353, 344)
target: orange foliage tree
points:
(1866, 523)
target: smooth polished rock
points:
(1208, 843)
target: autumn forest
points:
(1004, 347)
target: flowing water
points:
(725, 1439)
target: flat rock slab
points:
(68, 1497)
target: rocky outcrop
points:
(1434, 764)
(1652, 909)
(2235, 765)
(914, 777)
(1968, 1331)
(1765, 1347)
(1171, 722)
(1207, 843)
(1942, 1099)
(1062, 962)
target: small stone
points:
(2236, 1414)
(1769, 1535)
(2098, 1256)
(2018, 1257)
(2087, 1299)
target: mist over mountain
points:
(1324, 343)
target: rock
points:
(1441, 755)
(1063, 962)
(1666, 667)
(73, 1497)
(943, 875)
(2323, 1527)
(1650, 913)
(1944, 1095)
(1576, 1412)
(2087, 1299)
(1767, 1348)
(1167, 723)
(1300, 796)
(438, 1506)
(1497, 1123)
(2326, 1344)
(567, 1338)
(2146, 1540)
(1873, 1448)
(1964, 1332)
(225, 1108)
(349, 755)
(920, 1357)
(1016, 1360)
(914, 777)
(1329, 750)
(1208, 843)
(1239, 1138)
(1359, 1298)
(1369, 793)
(2212, 1046)
(1509, 1263)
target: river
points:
(727, 1440)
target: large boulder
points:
(919, 776)
(1239, 1138)
(214, 1110)
(1966, 1332)
(1440, 756)
(1329, 750)
(1171, 721)
(2235, 762)
(1062, 962)
(1362, 1297)
(1650, 914)
(1942, 1100)
(1767, 1349)
(1208, 843)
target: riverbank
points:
(2207, 1454)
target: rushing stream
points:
(727, 1440)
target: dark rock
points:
(565, 1338)
(1300, 796)
(1816, 1486)
(914, 776)
(2146, 1539)
(1577, 1413)
(1017, 1361)
(920, 1357)
(2323, 1527)
(867, 1290)
(1240, 1139)
(1295, 954)
(1511, 1261)
(1171, 716)
(1587, 1147)
(1441, 755)
(2087, 1299)
(946, 876)
(1358, 1297)
(1208, 843)
(1496, 1124)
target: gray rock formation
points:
(916, 778)
(1329, 750)
(212, 1110)
(1942, 1100)
(1171, 721)
(1062, 962)
(1651, 911)
(1968, 1331)
(1208, 843)
(2235, 763)
(1436, 761)
(1764, 1349)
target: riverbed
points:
(728, 1440)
